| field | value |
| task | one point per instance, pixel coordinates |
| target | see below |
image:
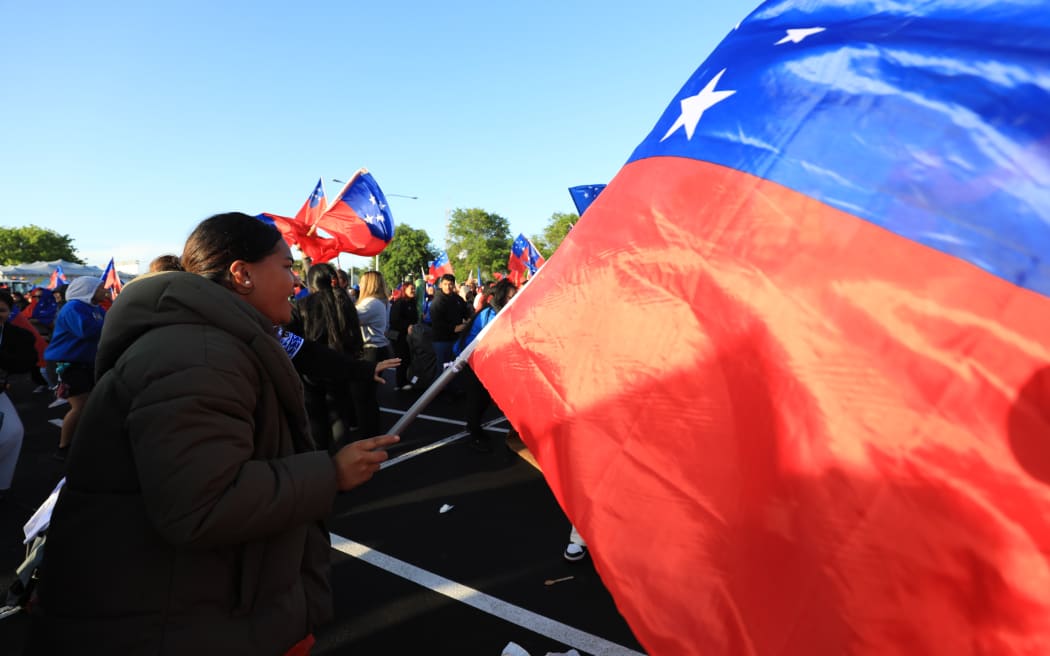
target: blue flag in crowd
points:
(584, 195)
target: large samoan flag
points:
(790, 378)
(584, 195)
(360, 218)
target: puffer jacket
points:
(191, 520)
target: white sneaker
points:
(575, 552)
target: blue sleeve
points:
(479, 323)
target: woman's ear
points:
(240, 276)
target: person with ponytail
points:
(192, 518)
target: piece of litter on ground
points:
(514, 649)
(553, 581)
(56, 422)
(445, 508)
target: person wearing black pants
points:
(404, 312)
(478, 398)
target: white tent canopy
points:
(42, 268)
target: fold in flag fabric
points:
(524, 257)
(57, 278)
(111, 280)
(584, 195)
(360, 218)
(314, 206)
(440, 266)
(790, 378)
(312, 245)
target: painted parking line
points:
(507, 612)
(408, 455)
(444, 420)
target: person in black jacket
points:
(404, 312)
(327, 316)
(17, 355)
(449, 315)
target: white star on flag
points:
(693, 107)
(796, 35)
(372, 198)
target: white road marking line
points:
(395, 411)
(408, 455)
(507, 612)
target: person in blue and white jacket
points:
(73, 346)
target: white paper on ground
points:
(42, 517)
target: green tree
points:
(554, 233)
(409, 250)
(33, 243)
(477, 238)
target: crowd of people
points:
(214, 413)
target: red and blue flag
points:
(298, 234)
(57, 278)
(111, 280)
(440, 266)
(360, 218)
(313, 207)
(524, 258)
(584, 195)
(790, 378)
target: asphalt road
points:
(407, 577)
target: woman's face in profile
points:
(273, 281)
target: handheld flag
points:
(313, 246)
(110, 279)
(524, 257)
(314, 206)
(57, 278)
(440, 266)
(584, 195)
(835, 237)
(360, 218)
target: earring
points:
(247, 283)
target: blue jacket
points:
(482, 319)
(76, 333)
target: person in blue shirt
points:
(74, 343)
(477, 397)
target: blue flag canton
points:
(584, 195)
(441, 260)
(931, 120)
(367, 200)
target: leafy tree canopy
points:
(477, 238)
(554, 233)
(33, 243)
(409, 250)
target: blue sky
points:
(124, 124)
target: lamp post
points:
(338, 181)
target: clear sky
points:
(123, 124)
